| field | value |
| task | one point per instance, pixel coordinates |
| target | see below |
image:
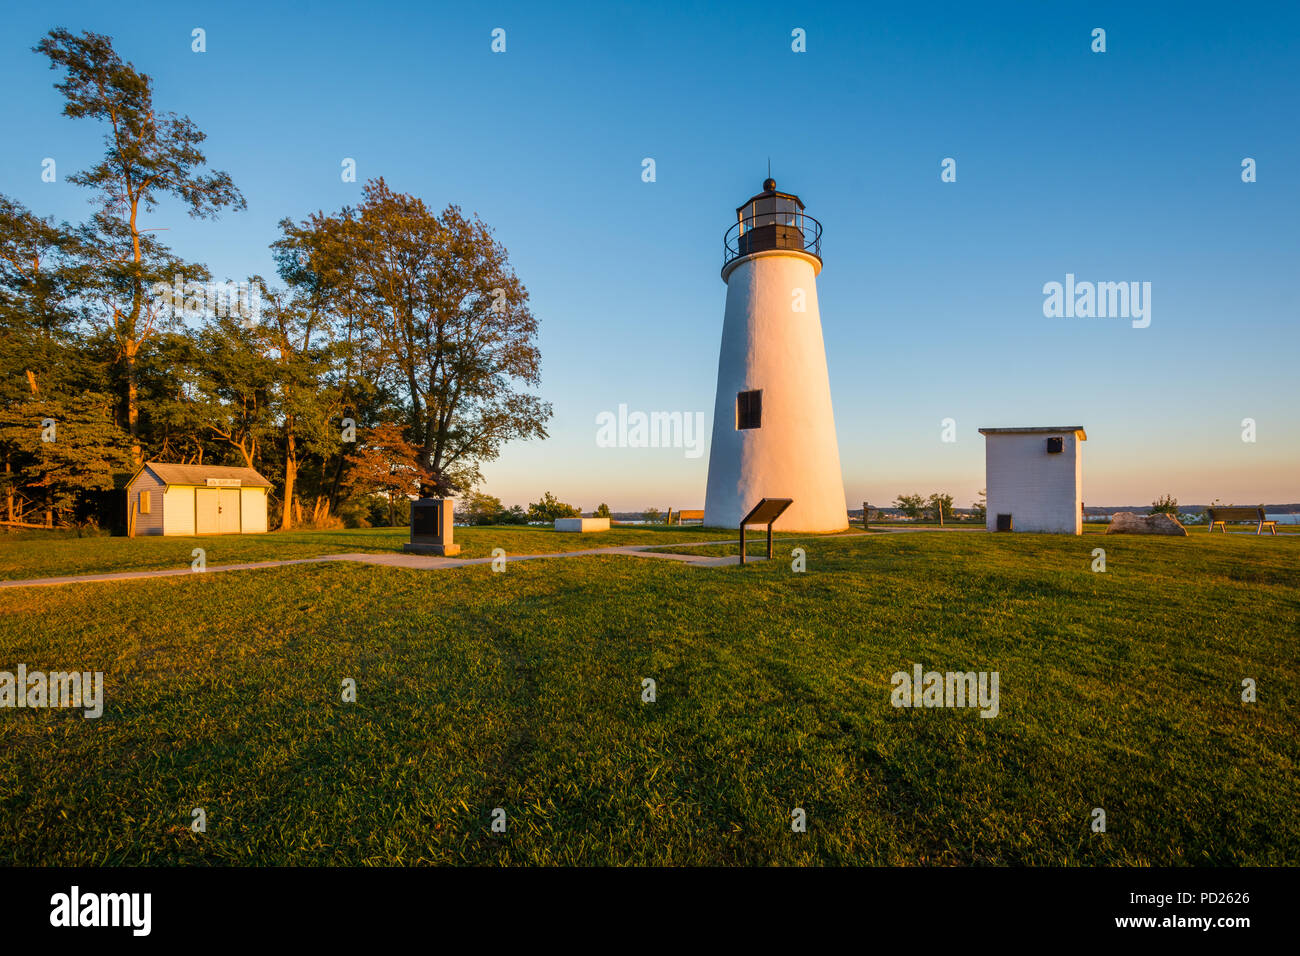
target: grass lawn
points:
(522, 690)
(756, 539)
(37, 554)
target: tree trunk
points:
(133, 402)
(290, 473)
(336, 483)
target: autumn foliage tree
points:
(386, 464)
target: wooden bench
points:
(1220, 516)
(685, 516)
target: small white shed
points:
(164, 499)
(1034, 478)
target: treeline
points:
(392, 352)
(483, 509)
(937, 506)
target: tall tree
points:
(39, 280)
(49, 370)
(172, 373)
(449, 321)
(64, 446)
(150, 156)
(314, 333)
(236, 386)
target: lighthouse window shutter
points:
(749, 409)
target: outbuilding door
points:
(228, 510)
(216, 511)
(207, 519)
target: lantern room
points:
(772, 220)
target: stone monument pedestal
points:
(431, 528)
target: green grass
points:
(41, 554)
(37, 554)
(521, 690)
(756, 540)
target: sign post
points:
(765, 512)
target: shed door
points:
(207, 517)
(228, 510)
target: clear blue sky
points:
(1122, 166)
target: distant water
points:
(1280, 519)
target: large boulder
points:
(1126, 522)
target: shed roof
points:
(199, 474)
(1038, 430)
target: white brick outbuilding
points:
(164, 499)
(1034, 478)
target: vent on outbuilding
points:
(1055, 445)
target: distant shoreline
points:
(1283, 514)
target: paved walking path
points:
(423, 562)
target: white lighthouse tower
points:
(773, 428)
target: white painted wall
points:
(1041, 492)
(253, 510)
(767, 345)
(178, 510)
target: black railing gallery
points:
(772, 230)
